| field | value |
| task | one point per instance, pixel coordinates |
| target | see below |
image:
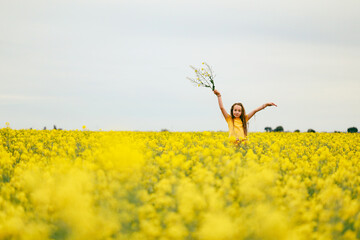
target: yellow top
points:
(236, 128)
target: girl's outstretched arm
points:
(260, 108)
(217, 93)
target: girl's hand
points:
(269, 104)
(217, 93)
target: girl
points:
(237, 121)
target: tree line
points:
(281, 129)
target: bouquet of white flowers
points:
(203, 76)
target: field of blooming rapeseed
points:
(160, 185)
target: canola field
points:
(162, 185)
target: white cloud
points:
(5, 98)
(107, 63)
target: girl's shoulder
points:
(228, 118)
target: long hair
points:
(242, 116)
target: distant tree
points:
(268, 129)
(278, 129)
(55, 127)
(44, 128)
(164, 130)
(311, 130)
(352, 130)
(297, 130)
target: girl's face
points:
(237, 111)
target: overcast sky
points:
(122, 65)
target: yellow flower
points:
(176, 185)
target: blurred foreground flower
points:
(203, 76)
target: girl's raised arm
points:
(217, 93)
(260, 108)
